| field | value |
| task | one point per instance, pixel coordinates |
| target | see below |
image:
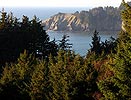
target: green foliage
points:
(16, 36)
(126, 17)
(72, 77)
(96, 45)
(15, 76)
(64, 45)
(28, 76)
(38, 87)
(59, 79)
(118, 86)
(85, 84)
(99, 48)
(64, 75)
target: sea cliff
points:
(99, 18)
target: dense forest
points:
(35, 68)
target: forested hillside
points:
(51, 71)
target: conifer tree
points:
(85, 83)
(71, 77)
(15, 77)
(126, 18)
(64, 45)
(17, 36)
(3, 19)
(96, 45)
(58, 79)
(118, 86)
(38, 87)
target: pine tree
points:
(96, 45)
(38, 87)
(17, 36)
(71, 77)
(15, 77)
(3, 19)
(58, 76)
(126, 18)
(64, 45)
(118, 86)
(85, 83)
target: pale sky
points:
(59, 3)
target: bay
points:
(81, 40)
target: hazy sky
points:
(59, 3)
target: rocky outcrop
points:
(101, 19)
(65, 22)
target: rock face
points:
(101, 19)
(65, 22)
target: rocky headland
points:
(100, 18)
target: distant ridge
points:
(101, 19)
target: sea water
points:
(81, 40)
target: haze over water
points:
(42, 12)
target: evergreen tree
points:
(126, 18)
(59, 80)
(3, 19)
(15, 77)
(72, 77)
(64, 45)
(39, 85)
(85, 84)
(118, 86)
(96, 45)
(17, 36)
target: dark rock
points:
(101, 19)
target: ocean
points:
(81, 40)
